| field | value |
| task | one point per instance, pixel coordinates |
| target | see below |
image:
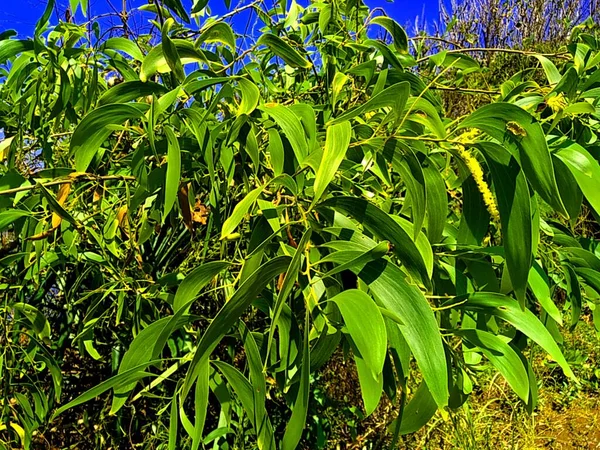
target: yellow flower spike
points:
(557, 102)
(477, 172)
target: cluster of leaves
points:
(196, 230)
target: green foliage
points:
(201, 236)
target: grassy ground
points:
(567, 416)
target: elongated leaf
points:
(512, 194)
(130, 376)
(131, 90)
(146, 346)
(244, 392)
(288, 284)
(156, 60)
(522, 134)
(173, 171)
(250, 96)
(195, 281)
(10, 216)
(294, 428)
(436, 201)
(539, 284)
(371, 385)
(419, 325)
(40, 324)
(291, 126)
(419, 410)
(394, 97)
(123, 45)
(262, 424)
(232, 310)
(585, 169)
(10, 48)
(365, 326)
(573, 294)
(383, 226)
(282, 49)
(524, 320)
(218, 32)
(240, 210)
(398, 34)
(170, 51)
(502, 356)
(93, 130)
(56, 206)
(336, 145)
(405, 162)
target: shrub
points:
(190, 231)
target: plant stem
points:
(86, 177)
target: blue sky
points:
(22, 15)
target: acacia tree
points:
(195, 240)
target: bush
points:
(191, 231)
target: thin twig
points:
(86, 177)
(465, 90)
(433, 38)
(498, 50)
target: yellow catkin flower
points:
(477, 172)
(468, 137)
(557, 102)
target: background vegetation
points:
(324, 235)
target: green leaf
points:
(371, 385)
(283, 50)
(156, 60)
(509, 310)
(130, 376)
(512, 194)
(148, 344)
(384, 227)
(297, 422)
(40, 324)
(288, 284)
(123, 45)
(291, 126)
(173, 171)
(93, 130)
(394, 97)
(573, 294)
(10, 216)
(419, 410)
(398, 34)
(170, 51)
(10, 48)
(585, 169)
(365, 326)
(218, 32)
(131, 90)
(502, 356)
(419, 325)
(523, 136)
(240, 210)
(262, 424)
(539, 284)
(43, 21)
(250, 96)
(230, 313)
(552, 73)
(405, 162)
(436, 201)
(336, 145)
(173, 422)
(195, 281)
